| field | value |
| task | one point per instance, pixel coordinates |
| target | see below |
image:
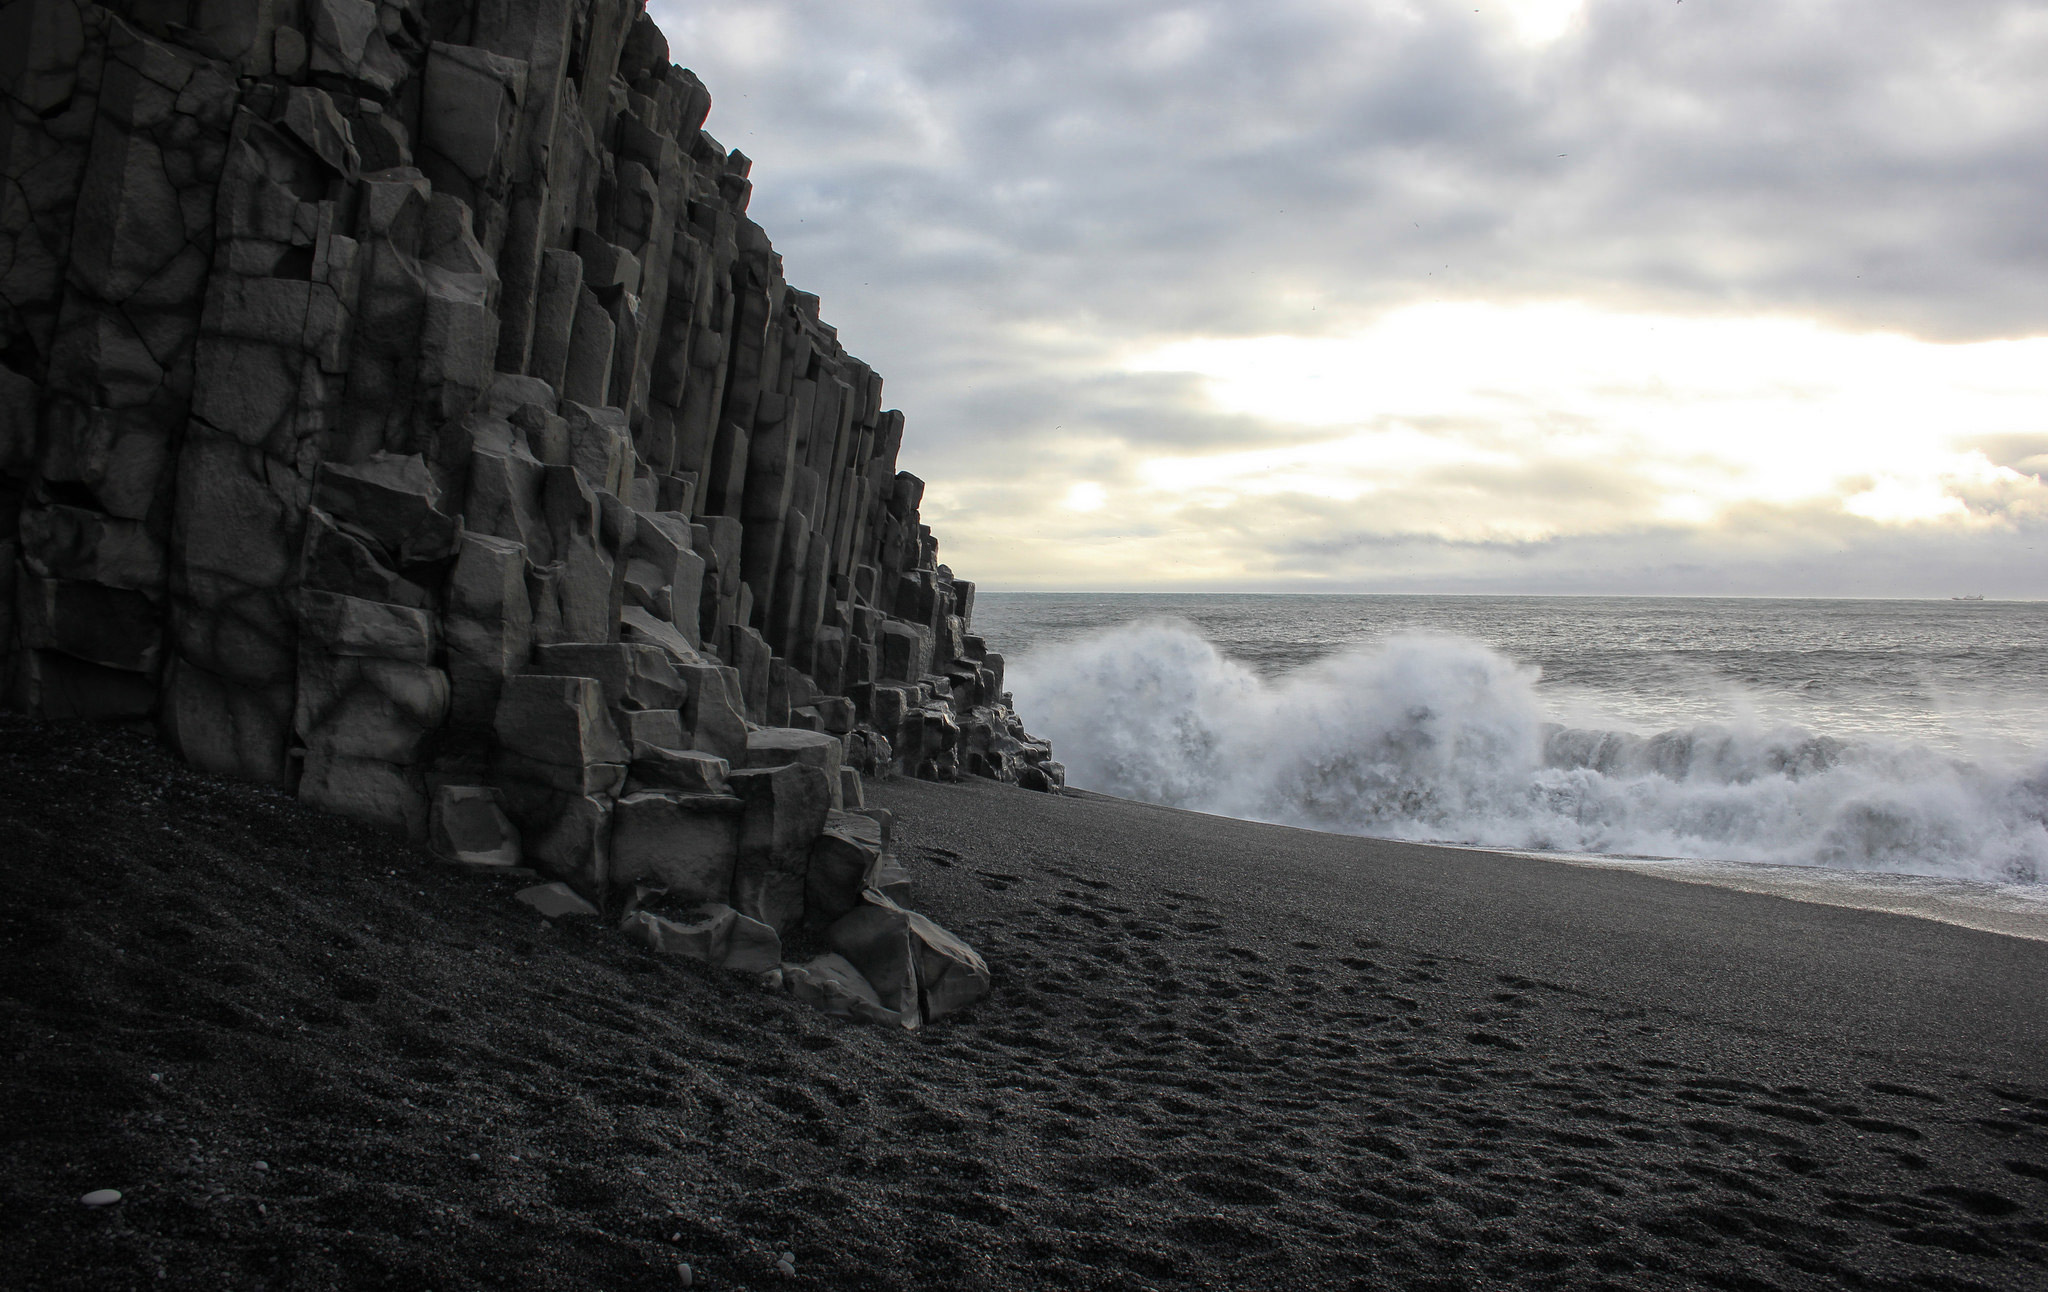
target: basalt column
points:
(398, 406)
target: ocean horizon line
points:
(983, 589)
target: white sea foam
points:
(1442, 739)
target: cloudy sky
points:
(1704, 296)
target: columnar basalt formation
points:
(398, 406)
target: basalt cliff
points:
(398, 407)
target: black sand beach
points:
(1218, 1055)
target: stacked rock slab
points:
(398, 406)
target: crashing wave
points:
(1441, 739)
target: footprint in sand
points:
(1903, 1092)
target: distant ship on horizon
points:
(1969, 596)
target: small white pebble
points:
(788, 1270)
(101, 1198)
(263, 1166)
(786, 1256)
(476, 1157)
(513, 1158)
(685, 1275)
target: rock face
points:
(398, 406)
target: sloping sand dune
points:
(1218, 1055)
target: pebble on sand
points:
(555, 901)
(685, 1274)
(101, 1198)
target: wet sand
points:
(2017, 910)
(1219, 1055)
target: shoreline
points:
(1966, 903)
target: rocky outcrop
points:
(398, 406)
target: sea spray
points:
(1443, 739)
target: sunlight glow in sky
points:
(1708, 413)
(1541, 20)
(1086, 496)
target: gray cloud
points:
(2020, 452)
(988, 194)
(1144, 162)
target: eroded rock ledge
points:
(397, 405)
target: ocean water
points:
(1896, 737)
